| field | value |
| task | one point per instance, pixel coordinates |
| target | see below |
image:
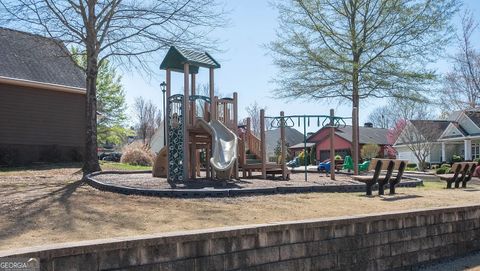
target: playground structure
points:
(208, 124)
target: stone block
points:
(120, 258)
(323, 233)
(267, 255)
(210, 263)
(409, 221)
(193, 249)
(394, 224)
(159, 253)
(344, 230)
(293, 251)
(220, 246)
(376, 226)
(75, 263)
(418, 232)
(399, 235)
(274, 238)
(324, 262)
(374, 239)
(240, 259)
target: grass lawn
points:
(52, 205)
(119, 166)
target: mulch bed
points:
(145, 180)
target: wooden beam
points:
(186, 121)
(332, 145)
(283, 146)
(212, 93)
(263, 146)
(167, 117)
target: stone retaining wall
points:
(374, 242)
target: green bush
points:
(445, 166)
(476, 160)
(338, 157)
(442, 170)
(302, 159)
(457, 158)
(411, 165)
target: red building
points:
(343, 141)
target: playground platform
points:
(142, 183)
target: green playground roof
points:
(177, 57)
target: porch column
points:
(468, 149)
(444, 159)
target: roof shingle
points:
(35, 58)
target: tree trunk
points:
(355, 118)
(90, 163)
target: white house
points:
(458, 135)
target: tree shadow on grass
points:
(59, 211)
(42, 166)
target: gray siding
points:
(41, 117)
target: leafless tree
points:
(253, 111)
(123, 31)
(148, 119)
(462, 83)
(419, 136)
(398, 108)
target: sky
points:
(248, 69)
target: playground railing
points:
(199, 107)
(226, 112)
(254, 144)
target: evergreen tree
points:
(111, 105)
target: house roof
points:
(474, 115)
(367, 135)
(435, 127)
(292, 137)
(301, 145)
(30, 57)
(177, 57)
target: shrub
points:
(51, 154)
(411, 165)
(137, 154)
(456, 158)
(9, 156)
(442, 170)
(338, 157)
(369, 151)
(445, 166)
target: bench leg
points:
(449, 184)
(392, 189)
(464, 184)
(381, 190)
(369, 189)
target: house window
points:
(475, 150)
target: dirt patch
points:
(53, 206)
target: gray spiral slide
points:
(224, 144)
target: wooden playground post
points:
(186, 121)
(332, 146)
(283, 146)
(235, 126)
(167, 117)
(355, 140)
(193, 104)
(212, 93)
(262, 140)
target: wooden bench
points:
(379, 165)
(462, 173)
